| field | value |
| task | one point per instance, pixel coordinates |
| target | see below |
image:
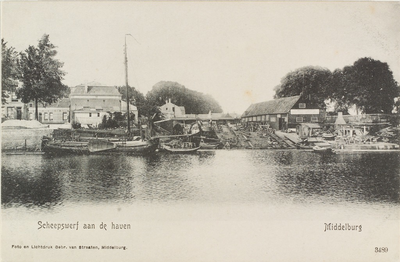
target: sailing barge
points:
(110, 143)
(100, 146)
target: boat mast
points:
(127, 89)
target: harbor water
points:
(227, 205)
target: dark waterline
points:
(259, 176)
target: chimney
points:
(86, 88)
(169, 100)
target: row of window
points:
(262, 118)
(96, 100)
(301, 119)
(90, 114)
(268, 118)
(49, 116)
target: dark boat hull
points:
(56, 149)
(82, 149)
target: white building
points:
(91, 102)
(170, 110)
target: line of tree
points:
(193, 101)
(9, 70)
(37, 69)
(368, 85)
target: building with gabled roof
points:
(283, 113)
(91, 102)
(55, 113)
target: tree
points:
(310, 82)
(336, 92)
(369, 85)
(193, 101)
(136, 98)
(9, 70)
(41, 74)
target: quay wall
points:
(23, 139)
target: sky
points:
(235, 51)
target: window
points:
(302, 105)
(258, 118)
(254, 118)
(272, 119)
(266, 117)
(98, 114)
(46, 116)
(30, 105)
(299, 119)
(51, 116)
(314, 119)
(90, 114)
(263, 118)
(65, 116)
(104, 101)
(87, 100)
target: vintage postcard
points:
(200, 131)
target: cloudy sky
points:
(235, 51)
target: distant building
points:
(283, 113)
(13, 108)
(90, 103)
(177, 113)
(170, 110)
(55, 113)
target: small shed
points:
(305, 130)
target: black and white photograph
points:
(200, 131)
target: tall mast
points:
(127, 89)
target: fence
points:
(368, 118)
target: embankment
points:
(23, 139)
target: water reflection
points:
(355, 177)
(259, 176)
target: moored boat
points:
(185, 147)
(65, 147)
(323, 148)
(208, 145)
(142, 147)
(99, 146)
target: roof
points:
(131, 107)
(62, 103)
(276, 106)
(340, 120)
(94, 90)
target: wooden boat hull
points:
(208, 146)
(323, 150)
(181, 150)
(60, 149)
(145, 149)
(86, 148)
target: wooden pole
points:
(127, 89)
